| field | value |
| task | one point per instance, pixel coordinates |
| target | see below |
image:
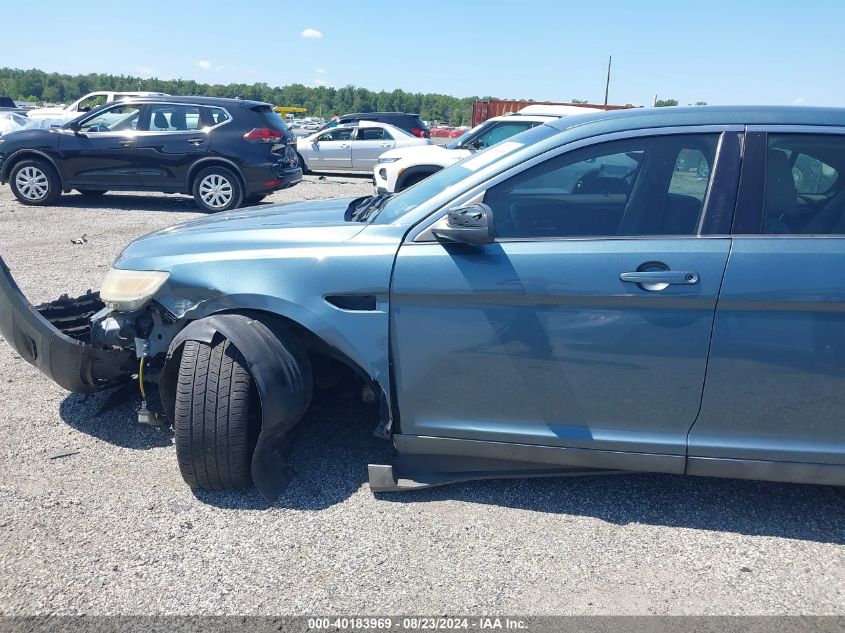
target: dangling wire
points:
(141, 378)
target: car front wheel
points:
(217, 417)
(217, 189)
(35, 182)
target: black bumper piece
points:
(55, 338)
(288, 175)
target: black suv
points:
(411, 123)
(224, 152)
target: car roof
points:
(638, 118)
(365, 123)
(210, 101)
(516, 116)
(373, 114)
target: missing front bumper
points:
(55, 338)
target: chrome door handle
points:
(127, 141)
(196, 141)
(660, 277)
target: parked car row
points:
(635, 290)
(224, 152)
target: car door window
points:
(115, 119)
(336, 135)
(89, 103)
(633, 187)
(804, 193)
(174, 118)
(373, 134)
(217, 115)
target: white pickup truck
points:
(84, 104)
(399, 169)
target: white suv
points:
(398, 169)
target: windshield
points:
(401, 203)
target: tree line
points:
(36, 85)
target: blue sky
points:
(721, 52)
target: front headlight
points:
(128, 290)
(387, 160)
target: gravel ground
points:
(112, 529)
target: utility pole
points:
(607, 83)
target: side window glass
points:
(115, 119)
(812, 176)
(174, 118)
(217, 116)
(336, 135)
(631, 187)
(94, 101)
(691, 175)
(371, 134)
(804, 194)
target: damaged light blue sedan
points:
(642, 290)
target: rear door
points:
(174, 135)
(331, 150)
(775, 391)
(587, 323)
(103, 155)
(368, 144)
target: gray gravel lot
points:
(112, 529)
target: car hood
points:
(428, 154)
(314, 223)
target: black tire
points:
(35, 182)
(251, 200)
(301, 163)
(217, 416)
(412, 180)
(92, 192)
(228, 187)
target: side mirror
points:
(74, 127)
(472, 224)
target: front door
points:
(775, 391)
(586, 324)
(171, 139)
(331, 150)
(370, 143)
(102, 154)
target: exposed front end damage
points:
(57, 339)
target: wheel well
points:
(214, 162)
(415, 174)
(329, 365)
(9, 165)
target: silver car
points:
(353, 147)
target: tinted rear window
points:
(274, 119)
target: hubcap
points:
(216, 191)
(32, 183)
